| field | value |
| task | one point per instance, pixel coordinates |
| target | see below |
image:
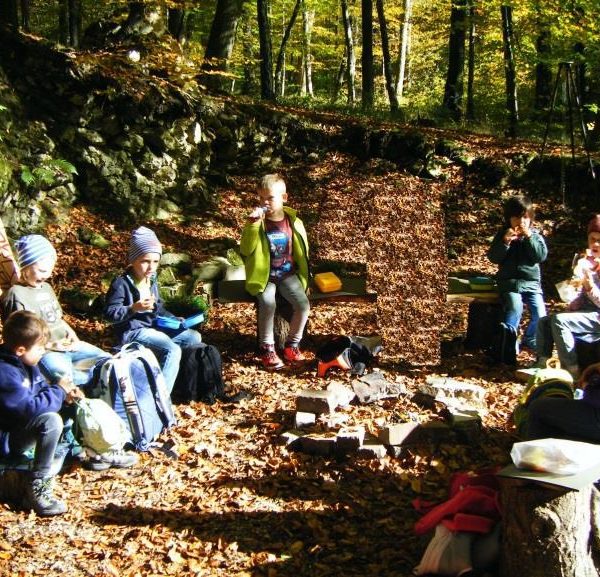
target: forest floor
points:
(236, 502)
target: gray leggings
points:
(291, 290)
(43, 432)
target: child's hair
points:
(519, 205)
(24, 329)
(272, 182)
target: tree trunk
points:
(308, 17)
(339, 79)
(368, 73)
(387, 59)
(403, 56)
(279, 72)
(25, 14)
(350, 54)
(63, 22)
(266, 52)
(549, 532)
(509, 69)
(177, 24)
(453, 90)
(74, 22)
(471, 64)
(250, 83)
(543, 70)
(221, 41)
(9, 13)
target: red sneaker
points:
(292, 354)
(270, 360)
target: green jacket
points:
(254, 248)
(518, 263)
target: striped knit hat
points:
(143, 240)
(33, 248)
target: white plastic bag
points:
(566, 291)
(558, 456)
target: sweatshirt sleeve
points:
(117, 307)
(24, 403)
(498, 250)
(535, 247)
(250, 238)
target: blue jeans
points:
(513, 311)
(567, 326)
(167, 349)
(76, 365)
(291, 290)
(43, 433)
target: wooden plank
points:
(353, 290)
(486, 297)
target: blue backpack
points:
(132, 383)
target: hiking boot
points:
(270, 359)
(41, 499)
(119, 459)
(292, 354)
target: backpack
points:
(349, 353)
(100, 427)
(200, 376)
(504, 345)
(132, 383)
(548, 382)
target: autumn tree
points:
(368, 73)
(453, 91)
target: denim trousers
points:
(566, 327)
(76, 365)
(513, 311)
(563, 419)
(167, 349)
(291, 290)
(43, 433)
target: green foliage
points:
(47, 173)
(234, 258)
(188, 305)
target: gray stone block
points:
(350, 439)
(310, 401)
(302, 419)
(372, 450)
(322, 444)
(453, 392)
(399, 433)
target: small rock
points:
(303, 419)
(311, 401)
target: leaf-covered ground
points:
(236, 502)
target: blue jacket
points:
(24, 395)
(117, 308)
(519, 262)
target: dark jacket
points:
(24, 395)
(117, 308)
(519, 262)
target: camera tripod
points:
(572, 100)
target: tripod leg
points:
(550, 113)
(582, 123)
(569, 103)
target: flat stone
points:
(302, 419)
(372, 449)
(291, 439)
(344, 395)
(311, 401)
(374, 386)
(350, 439)
(399, 433)
(322, 444)
(454, 393)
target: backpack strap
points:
(158, 384)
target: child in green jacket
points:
(275, 251)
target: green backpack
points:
(548, 382)
(101, 428)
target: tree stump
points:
(482, 324)
(549, 531)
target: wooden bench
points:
(354, 289)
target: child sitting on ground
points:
(67, 356)
(583, 319)
(274, 246)
(133, 304)
(29, 408)
(518, 249)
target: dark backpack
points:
(357, 352)
(504, 345)
(200, 376)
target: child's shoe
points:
(292, 354)
(40, 497)
(270, 359)
(119, 459)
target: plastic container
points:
(328, 282)
(172, 323)
(193, 321)
(481, 283)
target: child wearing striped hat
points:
(133, 304)
(67, 356)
